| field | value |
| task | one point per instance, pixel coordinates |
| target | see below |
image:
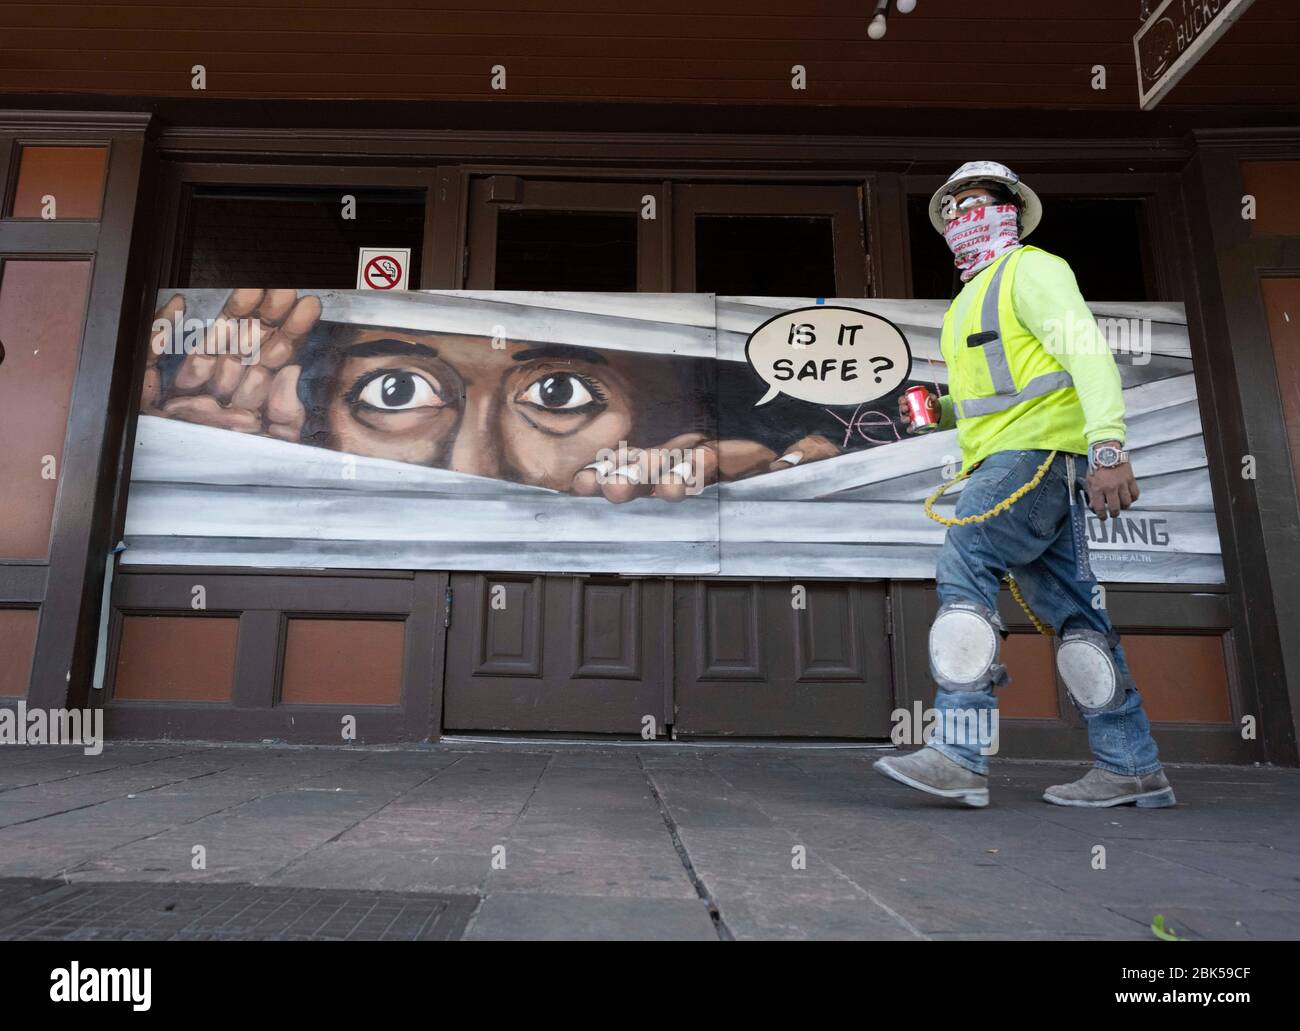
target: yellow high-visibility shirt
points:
(1028, 367)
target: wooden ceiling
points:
(946, 54)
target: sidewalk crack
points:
(701, 889)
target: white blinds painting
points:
(205, 495)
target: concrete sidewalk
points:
(576, 840)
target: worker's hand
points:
(1111, 490)
(904, 412)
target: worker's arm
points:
(1049, 305)
(947, 413)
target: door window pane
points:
(566, 250)
(291, 237)
(1101, 238)
(42, 308)
(765, 255)
(73, 177)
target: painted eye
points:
(399, 391)
(558, 392)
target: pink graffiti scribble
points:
(872, 417)
(876, 418)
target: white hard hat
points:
(1031, 208)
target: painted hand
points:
(807, 449)
(688, 463)
(225, 382)
(684, 465)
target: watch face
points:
(1107, 456)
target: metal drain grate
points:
(43, 910)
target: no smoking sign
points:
(383, 268)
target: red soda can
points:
(923, 410)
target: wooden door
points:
(560, 653)
(775, 658)
(708, 656)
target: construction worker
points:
(1020, 390)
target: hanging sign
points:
(1174, 38)
(383, 268)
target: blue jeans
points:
(1032, 541)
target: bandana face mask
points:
(981, 236)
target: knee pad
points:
(964, 643)
(1087, 667)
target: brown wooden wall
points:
(947, 53)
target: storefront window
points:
(1101, 238)
(293, 237)
(566, 250)
(769, 255)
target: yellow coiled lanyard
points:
(983, 517)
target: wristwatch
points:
(1106, 455)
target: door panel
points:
(556, 653)
(756, 659)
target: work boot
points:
(931, 771)
(1099, 788)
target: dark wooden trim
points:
(263, 173)
(8, 171)
(65, 644)
(294, 724)
(258, 661)
(669, 601)
(440, 265)
(260, 591)
(51, 123)
(426, 654)
(887, 240)
(390, 117)
(66, 587)
(22, 585)
(64, 237)
(644, 150)
(1238, 384)
(263, 604)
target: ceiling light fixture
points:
(879, 24)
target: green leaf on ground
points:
(1165, 934)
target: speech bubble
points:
(829, 355)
